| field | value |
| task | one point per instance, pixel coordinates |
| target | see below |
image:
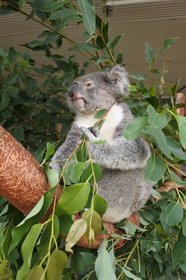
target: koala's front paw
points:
(94, 131)
(86, 131)
(90, 136)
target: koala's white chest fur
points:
(107, 131)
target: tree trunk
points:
(22, 180)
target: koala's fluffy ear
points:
(118, 77)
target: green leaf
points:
(52, 176)
(34, 216)
(182, 129)
(161, 140)
(100, 204)
(154, 169)
(50, 149)
(88, 171)
(175, 148)
(4, 101)
(149, 54)
(57, 263)
(135, 129)
(184, 227)
(130, 275)
(157, 120)
(30, 85)
(105, 32)
(168, 42)
(47, 5)
(84, 47)
(176, 179)
(115, 41)
(103, 265)
(100, 113)
(138, 77)
(178, 250)
(75, 171)
(33, 212)
(5, 10)
(102, 59)
(35, 273)
(173, 213)
(73, 198)
(88, 12)
(27, 250)
(62, 14)
(119, 58)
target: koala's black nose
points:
(73, 90)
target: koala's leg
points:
(67, 148)
(125, 191)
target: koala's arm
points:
(121, 154)
(66, 149)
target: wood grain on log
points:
(22, 180)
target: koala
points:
(122, 184)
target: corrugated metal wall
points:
(147, 22)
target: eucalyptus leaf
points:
(178, 250)
(168, 42)
(154, 169)
(73, 198)
(37, 213)
(174, 213)
(76, 231)
(47, 5)
(149, 54)
(75, 171)
(176, 179)
(175, 148)
(115, 41)
(160, 138)
(100, 113)
(52, 176)
(88, 13)
(157, 120)
(50, 149)
(4, 101)
(57, 263)
(85, 47)
(62, 14)
(182, 129)
(100, 204)
(27, 250)
(130, 275)
(35, 273)
(93, 221)
(184, 227)
(103, 265)
(136, 128)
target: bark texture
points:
(22, 180)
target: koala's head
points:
(98, 90)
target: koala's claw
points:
(94, 131)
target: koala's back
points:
(125, 191)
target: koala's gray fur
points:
(123, 161)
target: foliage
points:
(31, 104)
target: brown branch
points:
(22, 180)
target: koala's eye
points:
(89, 85)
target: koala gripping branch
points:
(22, 180)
